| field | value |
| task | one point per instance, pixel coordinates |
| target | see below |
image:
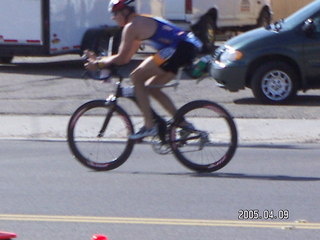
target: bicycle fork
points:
(107, 119)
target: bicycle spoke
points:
(98, 136)
(211, 143)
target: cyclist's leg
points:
(159, 95)
(182, 55)
(148, 69)
(159, 69)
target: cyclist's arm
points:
(128, 47)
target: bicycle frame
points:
(119, 93)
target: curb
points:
(250, 131)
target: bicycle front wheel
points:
(203, 136)
(98, 135)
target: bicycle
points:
(98, 132)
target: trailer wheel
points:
(101, 45)
(97, 40)
(205, 30)
(6, 60)
(116, 40)
(264, 18)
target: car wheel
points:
(274, 82)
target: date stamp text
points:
(267, 214)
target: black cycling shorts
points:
(171, 59)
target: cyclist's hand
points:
(92, 61)
(87, 54)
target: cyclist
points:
(175, 47)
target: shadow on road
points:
(226, 175)
(258, 177)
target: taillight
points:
(188, 6)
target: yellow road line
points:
(160, 221)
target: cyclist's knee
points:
(134, 76)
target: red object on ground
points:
(99, 237)
(7, 235)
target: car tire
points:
(274, 83)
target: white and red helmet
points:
(117, 5)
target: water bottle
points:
(200, 67)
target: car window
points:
(301, 15)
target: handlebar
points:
(103, 74)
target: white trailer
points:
(53, 27)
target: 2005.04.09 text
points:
(255, 214)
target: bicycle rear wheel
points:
(203, 136)
(98, 135)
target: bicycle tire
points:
(101, 153)
(212, 142)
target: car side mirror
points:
(309, 28)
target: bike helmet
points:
(117, 5)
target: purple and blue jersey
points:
(169, 35)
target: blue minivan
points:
(275, 61)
